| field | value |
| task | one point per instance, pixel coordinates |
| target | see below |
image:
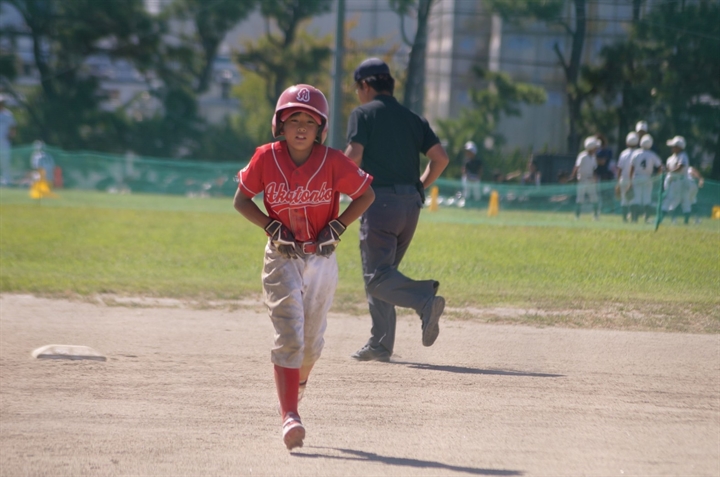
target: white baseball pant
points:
(642, 187)
(298, 294)
(588, 188)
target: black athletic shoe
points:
(430, 320)
(371, 353)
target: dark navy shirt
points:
(392, 137)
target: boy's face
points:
(300, 131)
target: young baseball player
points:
(584, 169)
(677, 183)
(643, 164)
(623, 166)
(301, 181)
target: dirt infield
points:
(189, 392)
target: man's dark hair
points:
(380, 83)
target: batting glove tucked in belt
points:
(329, 238)
(282, 239)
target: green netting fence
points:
(134, 174)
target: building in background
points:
(462, 34)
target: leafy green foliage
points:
(501, 97)
(278, 57)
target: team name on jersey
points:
(278, 194)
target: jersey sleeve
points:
(357, 128)
(348, 178)
(250, 178)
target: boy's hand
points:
(329, 237)
(282, 239)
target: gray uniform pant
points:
(386, 230)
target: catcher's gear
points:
(282, 239)
(329, 237)
(302, 96)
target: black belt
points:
(397, 188)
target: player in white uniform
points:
(584, 170)
(623, 168)
(677, 185)
(642, 167)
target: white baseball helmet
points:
(646, 142)
(641, 126)
(471, 146)
(592, 142)
(631, 139)
(677, 141)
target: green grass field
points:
(85, 243)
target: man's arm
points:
(438, 162)
(355, 152)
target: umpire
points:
(385, 139)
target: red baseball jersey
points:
(304, 198)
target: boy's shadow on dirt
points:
(356, 455)
(465, 370)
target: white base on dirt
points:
(75, 352)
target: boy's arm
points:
(250, 210)
(329, 237)
(356, 208)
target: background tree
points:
(211, 21)
(550, 12)
(65, 109)
(500, 96)
(414, 95)
(277, 56)
(667, 72)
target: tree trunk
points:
(415, 84)
(572, 72)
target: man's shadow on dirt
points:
(466, 370)
(356, 455)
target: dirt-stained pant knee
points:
(298, 294)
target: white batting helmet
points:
(641, 126)
(471, 146)
(631, 139)
(646, 142)
(592, 142)
(677, 141)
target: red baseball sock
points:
(287, 381)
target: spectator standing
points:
(644, 162)
(471, 172)
(584, 171)
(7, 133)
(605, 171)
(623, 168)
(386, 139)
